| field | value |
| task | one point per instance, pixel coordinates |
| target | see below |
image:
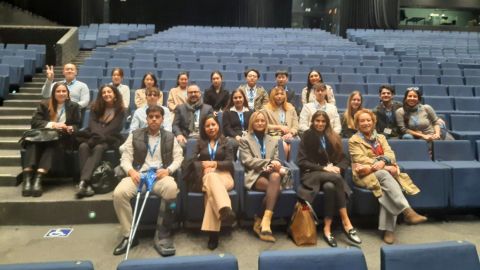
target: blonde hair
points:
(272, 105)
(347, 115)
(254, 117)
(362, 111)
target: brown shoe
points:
(388, 237)
(412, 218)
(267, 236)
(256, 225)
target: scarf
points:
(191, 109)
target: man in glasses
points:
(139, 119)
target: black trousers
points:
(90, 158)
(331, 184)
(40, 155)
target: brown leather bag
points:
(303, 226)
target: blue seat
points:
(91, 71)
(237, 67)
(30, 61)
(70, 265)
(190, 65)
(434, 256)
(199, 74)
(208, 59)
(452, 72)
(166, 57)
(401, 78)
(230, 60)
(213, 66)
(460, 157)
(90, 81)
(232, 75)
(394, 64)
(426, 79)
(451, 80)
(313, 258)
(371, 63)
(435, 90)
(410, 64)
(4, 80)
(186, 58)
(352, 78)
(468, 104)
(143, 64)
(95, 62)
(249, 60)
(409, 70)
(16, 69)
(210, 262)
(469, 80)
(434, 180)
(440, 104)
(431, 65)
(460, 91)
(377, 78)
(344, 69)
(465, 127)
(430, 71)
(324, 69)
(387, 70)
(347, 88)
(118, 63)
(471, 72)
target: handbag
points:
(303, 225)
(40, 135)
(103, 178)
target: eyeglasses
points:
(152, 95)
(413, 89)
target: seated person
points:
(354, 103)
(117, 79)
(256, 95)
(308, 93)
(235, 118)
(178, 95)
(216, 96)
(281, 80)
(186, 122)
(385, 112)
(139, 119)
(78, 90)
(59, 113)
(374, 167)
(149, 81)
(162, 152)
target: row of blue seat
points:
(101, 35)
(431, 256)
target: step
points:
(21, 103)
(15, 120)
(13, 130)
(8, 175)
(17, 110)
(9, 143)
(34, 84)
(10, 158)
(56, 206)
(30, 90)
(26, 95)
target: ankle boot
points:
(411, 217)
(163, 239)
(213, 240)
(27, 184)
(84, 190)
(37, 185)
(388, 237)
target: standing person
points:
(354, 104)
(79, 91)
(216, 96)
(117, 79)
(282, 118)
(145, 148)
(107, 117)
(236, 118)
(186, 122)
(281, 80)
(149, 81)
(308, 93)
(259, 156)
(320, 103)
(256, 95)
(323, 164)
(385, 112)
(139, 119)
(213, 171)
(374, 167)
(57, 113)
(178, 95)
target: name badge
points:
(329, 164)
(387, 131)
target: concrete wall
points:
(10, 15)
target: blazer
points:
(251, 157)
(231, 123)
(260, 99)
(383, 121)
(73, 116)
(291, 119)
(99, 132)
(182, 119)
(217, 101)
(176, 96)
(223, 156)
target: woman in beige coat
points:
(178, 95)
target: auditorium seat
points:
(16, 69)
(313, 258)
(434, 90)
(89, 71)
(460, 91)
(451, 80)
(409, 70)
(426, 79)
(452, 72)
(94, 62)
(70, 265)
(205, 262)
(352, 78)
(4, 80)
(459, 155)
(368, 70)
(347, 88)
(465, 127)
(468, 104)
(401, 78)
(472, 80)
(432, 256)
(387, 70)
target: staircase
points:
(15, 116)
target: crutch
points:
(147, 179)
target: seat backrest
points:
(410, 150)
(211, 262)
(435, 256)
(465, 122)
(318, 258)
(73, 265)
(467, 103)
(453, 150)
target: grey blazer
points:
(181, 121)
(251, 157)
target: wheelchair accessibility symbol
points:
(59, 232)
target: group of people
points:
(251, 125)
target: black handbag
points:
(103, 178)
(40, 135)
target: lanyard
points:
(240, 116)
(61, 113)
(213, 151)
(323, 142)
(251, 96)
(262, 146)
(197, 116)
(154, 148)
(282, 117)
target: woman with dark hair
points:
(385, 112)
(236, 118)
(178, 94)
(213, 163)
(323, 164)
(117, 78)
(107, 116)
(354, 104)
(374, 167)
(59, 113)
(216, 96)
(308, 93)
(418, 121)
(149, 81)
(263, 170)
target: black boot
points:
(84, 190)
(213, 240)
(163, 239)
(37, 185)
(27, 183)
